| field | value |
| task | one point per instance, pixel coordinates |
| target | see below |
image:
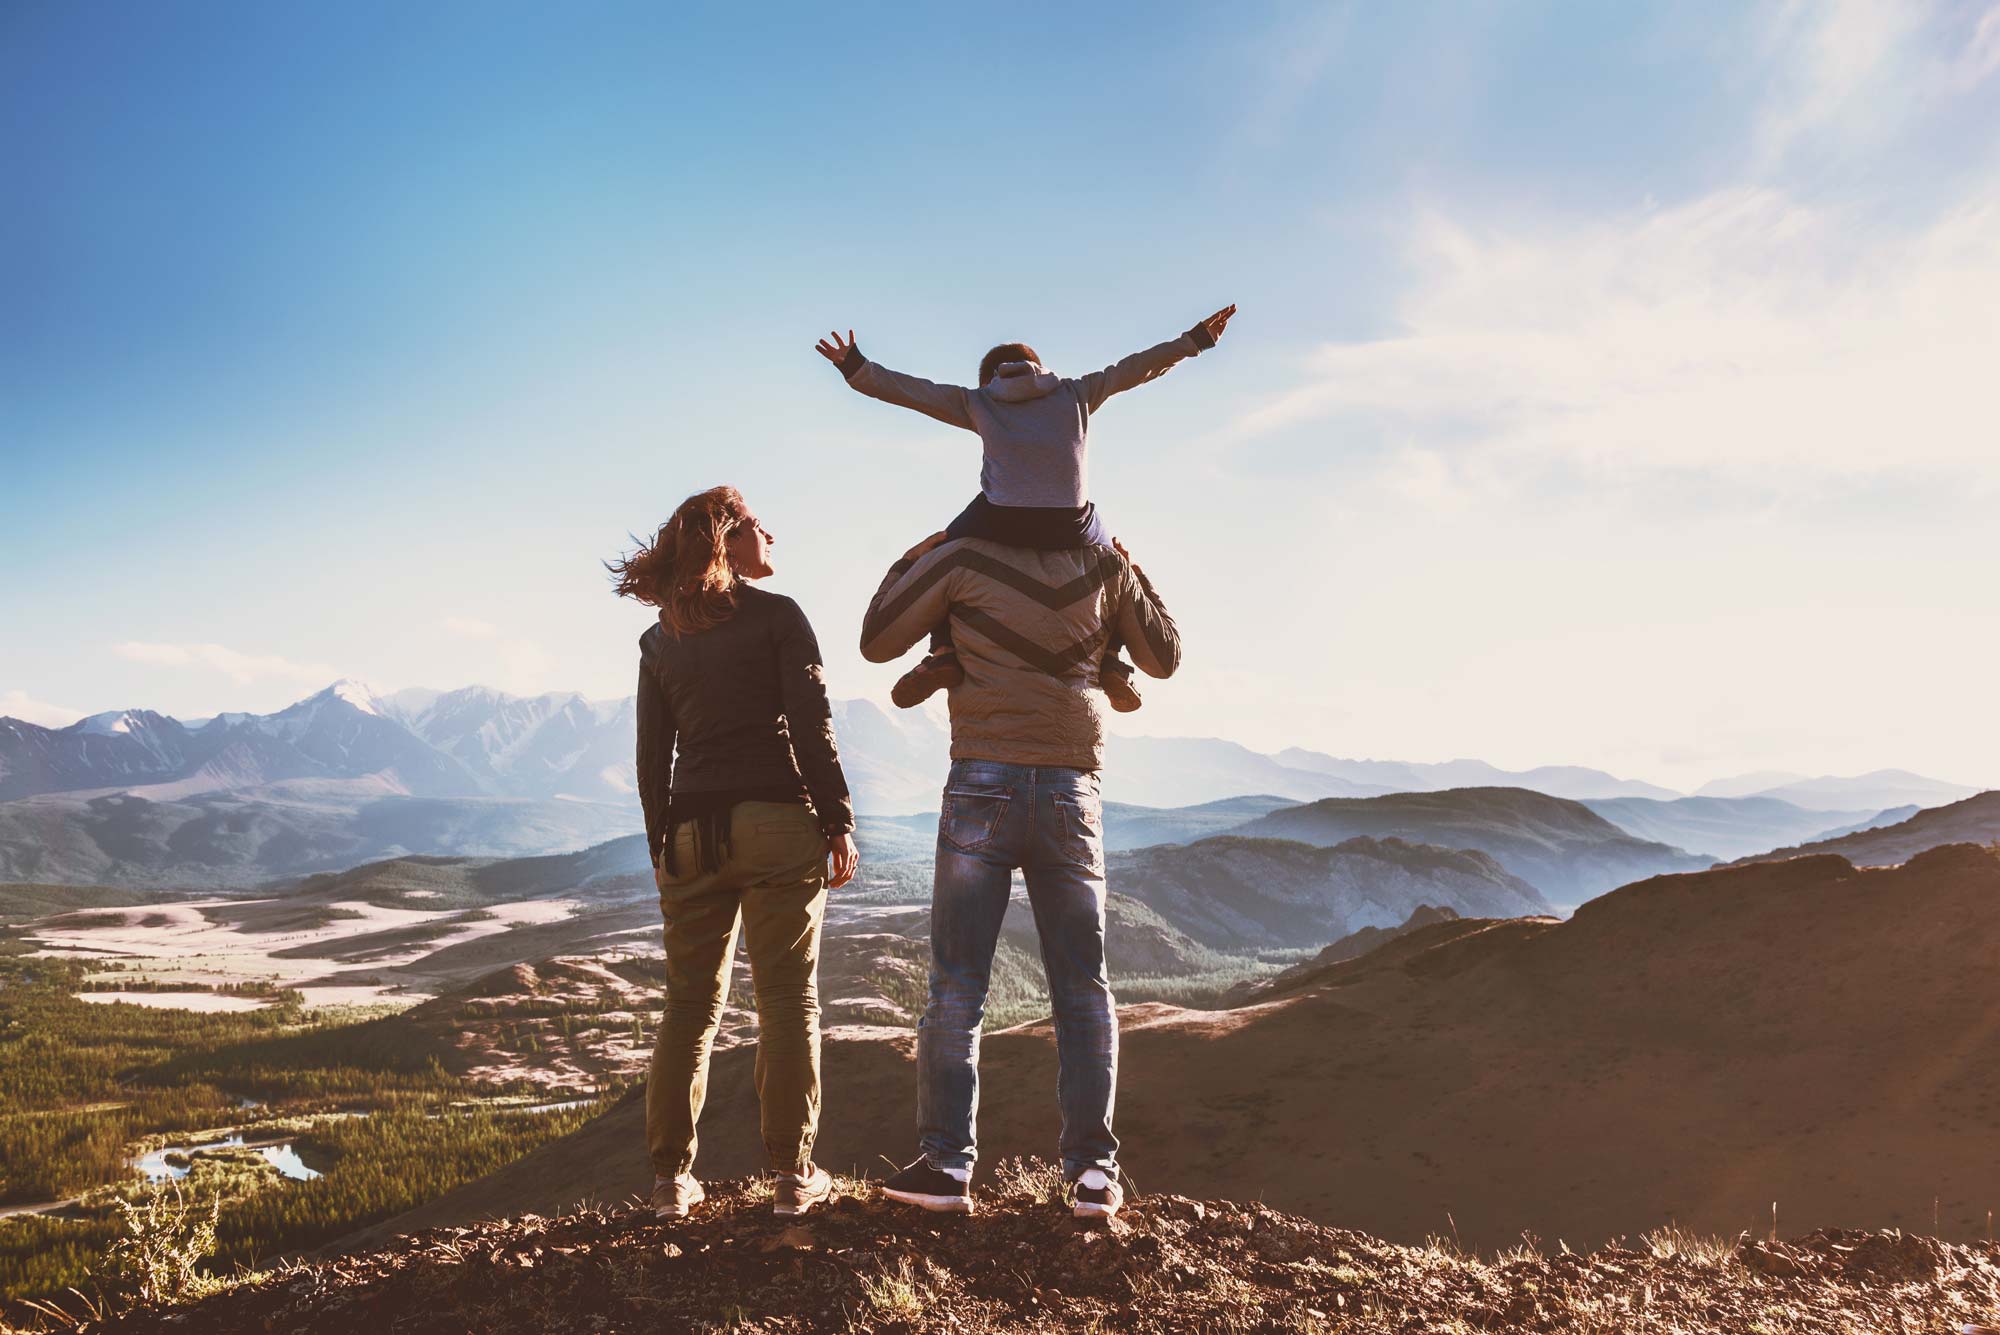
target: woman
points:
(745, 805)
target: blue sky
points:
(1609, 386)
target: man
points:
(1027, 742)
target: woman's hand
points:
(835, 351)
(926, 547)
(844, 857)
(1214, 324)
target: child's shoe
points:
(1114, 678)
(938, 671)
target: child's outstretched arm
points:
(1154, 362)
(944, 402)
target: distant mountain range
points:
(469, 743)
(1875, 791)
(1976, 820)
(347, 774)
(476, 741)
(1396, 776)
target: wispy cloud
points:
(1850, 75)
(239, 667)
(1744, 332)
(1979, 58)
(18, 704)
(1830, 59)
(471, 627)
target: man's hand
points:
(926, 547)
(1214, 324)
(843, 857)
(835, 351)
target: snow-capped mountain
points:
(555, 745)
(343, 732)
(132, 746)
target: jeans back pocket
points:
(972, 815)
(1081, 816)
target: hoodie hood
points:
(1019, 382)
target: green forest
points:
(83, 1087)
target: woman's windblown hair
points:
(685, 570)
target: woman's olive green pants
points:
(773, 881)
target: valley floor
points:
(1167, 1264)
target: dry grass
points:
(895, 1291)
(1029, 1178)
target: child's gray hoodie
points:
(1032, 422)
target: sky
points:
(1612, 384)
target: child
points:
(1033, 482)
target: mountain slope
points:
(1976, 820)
(1564, 849)
(1238, 893)
(1689, 1048)
(239, 840)
(1351, 947)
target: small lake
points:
(555, 1107)
(283, 1157)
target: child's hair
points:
(685, 570)
(1006, 352)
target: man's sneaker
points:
(1095, 1195)
(930, 1187)
(938, 672)
(796, 1193)
(1115, 679)
(673, 1197)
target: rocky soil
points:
(1167, 1264)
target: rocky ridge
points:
(1166, 1264)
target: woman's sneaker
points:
(1095, 1195)
(796, 1193)
(673, 1197)
(930, 1187)
(938, 672)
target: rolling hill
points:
(1564, 849)
(1237, 893)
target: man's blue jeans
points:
(1049, 822)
